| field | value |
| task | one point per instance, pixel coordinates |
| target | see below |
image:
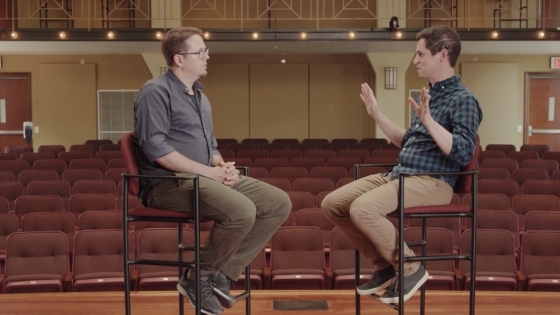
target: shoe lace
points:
(206, 288)
(394, 285)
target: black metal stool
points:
(131, 186)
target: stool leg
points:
(248, 290)
(357, 280)
(423, 289)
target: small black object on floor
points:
(295, 305)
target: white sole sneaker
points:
(395, 299)
(374, 290)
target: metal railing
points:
(278, 14)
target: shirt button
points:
(404, 149)
(399, 164)
(417, 125)
(413, 138)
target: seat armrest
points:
(68, 281)
(459, 279)
(167, 177)
(522, 280)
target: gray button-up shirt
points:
(166, 119)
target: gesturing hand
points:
(422, 110)
(369, 99)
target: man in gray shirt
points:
(173, 133)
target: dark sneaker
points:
(411, 284)
(378, 281)
(221, 288)
(209, 303)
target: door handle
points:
(529, 131)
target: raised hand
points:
(422, 110)
(369, 100)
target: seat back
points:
(538, 257)
(29, 204)
(4, 205)
(31, 157)
(100, 186)
(315, 217)
(8, 225)
(334, 173)
(464, 182)
(494, 252)
(523, 204)
(18, 150)
(101, 220)
(539, 148)
(308, 163)
(55, 149)
(439, 241)
(287, 154)
(342, 255)
(127, 149)
(50, 221)
(57, 165)
(11, 191)
(542, 221)
(506, 148)
(297, 248)
(290, 173)
(74, 175)
(325, 155)
(313, 185)
(14, 166)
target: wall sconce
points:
(390, 78)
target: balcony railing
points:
(240, 15)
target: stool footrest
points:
(376, 297)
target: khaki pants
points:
(246, 216)
(360, 208)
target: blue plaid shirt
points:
(454, 107)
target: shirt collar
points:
(196, 85)
(447, 83)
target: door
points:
(15, 107)
(542, 109)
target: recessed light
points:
(110, 35)
(351, 35)
(399, 34)
(303, 35)
(62, 35)
(206, 35)
(541, 34)
(255, 35)
(495, 34)
(14, 35)
(159, 35)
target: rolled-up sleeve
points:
(465, 118)
(153, 121)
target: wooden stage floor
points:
(339, 302)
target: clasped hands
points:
(226, 173)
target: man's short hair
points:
(173, 42)
(440, 37)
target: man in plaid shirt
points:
(441, 138)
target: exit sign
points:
(555, 63)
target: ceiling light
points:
(62, 35)
(398, 34)
(255, 35)
(495, 34)
(541, 34)
(110, 35)
(206, 35)
(351, 35)
(14, 35)
(159, 35)
(303, 35)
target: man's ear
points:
(444, 55)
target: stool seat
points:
(450, 208)
(155, 212)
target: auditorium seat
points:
(114, 174)
(540, 262)
(59, 188)
(18, 150)
(490, 154)
(92, 186)
(57, 165)
(73, 155)
(91, 148)
(8, 225)
(11, 191)
(6, 176)
(308, 163)
(286, 154)
(55, 149)
(297, 259)
(539, 148)
(80, 164)
(98, 143)
(226, 141)
(506, 148)
(115, 163)
(341, 263)
(523, 204)
(270, 163)
(382, 141)
(313, 185)
(303, 147)
(4, 205)
(31, 204)
(509, 164)
(495, 260)
(8, 156)
(286, 141)
(542, 221)
(316, 141)
(236, 147)
(255, 141)
(80, 203)
(26, 177)
(343, 181)
(521, 156)
(315, 217)
(15, 166)
(258, 172)
(107, 156)
(289, 173)
(109, 147)
(335, 146)
(346, 162)
(367, 146)
(50, 221)
(36, 262)
(281, 183)
(550, 166)
(301, 200)
(74, 175)
(100, 220)
(98, 261)
(439, 241)
(332, 173)
(489, 201)
(493, 173)
(31, 157)
(506, 187)
(252, 154)
(325, 155)
(361, 154)
(271, 147)
(542, 187)
(520, 176)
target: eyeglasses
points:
(200, 54)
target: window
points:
(114, 113)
